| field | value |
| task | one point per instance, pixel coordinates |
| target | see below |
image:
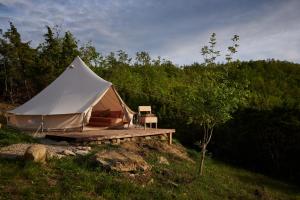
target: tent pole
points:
(82, 122)
(42, 124)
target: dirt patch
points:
(131, 146)
(142, 148)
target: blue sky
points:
(172, 29)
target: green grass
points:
(11, 136)
(80, 178)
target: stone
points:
(115, 141)
(163, 137)
(59, 156)
(82, 152)
(50, 155)
(85, 148)
(121, 160)
(68, 152)
(36, 153)
(147, 138)
(163, 160)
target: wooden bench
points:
(105, 118)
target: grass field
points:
(80, 178)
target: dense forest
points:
(261, 133)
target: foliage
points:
(273, 85)
(80, 178)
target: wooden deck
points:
(109, 134)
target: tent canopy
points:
(72, 92)
(68, 101)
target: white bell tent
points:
(67, 103)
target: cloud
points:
(174, 29)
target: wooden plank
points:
(106, 134)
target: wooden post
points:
(170, 138)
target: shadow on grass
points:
(262, 181)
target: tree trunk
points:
(203, 151)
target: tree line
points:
(252, 106)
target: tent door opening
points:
(108, 112)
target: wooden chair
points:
(146, 117)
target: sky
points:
(173, 29)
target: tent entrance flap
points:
(109, 101)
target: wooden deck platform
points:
(108, 134)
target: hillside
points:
(79, 178)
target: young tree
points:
(232, 49)
(211, 99)
(209, 53)
(209, 102)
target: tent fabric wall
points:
(50, 122)
(68, 101)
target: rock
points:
(68, 152)
(36, 153)
(85, 148)
(163, 160)
(116, 141)
(50, 155)
(147, 138)
(59, 156)
(82, 152)
(121, 160)
(163, 138)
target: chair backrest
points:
(145, 109)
